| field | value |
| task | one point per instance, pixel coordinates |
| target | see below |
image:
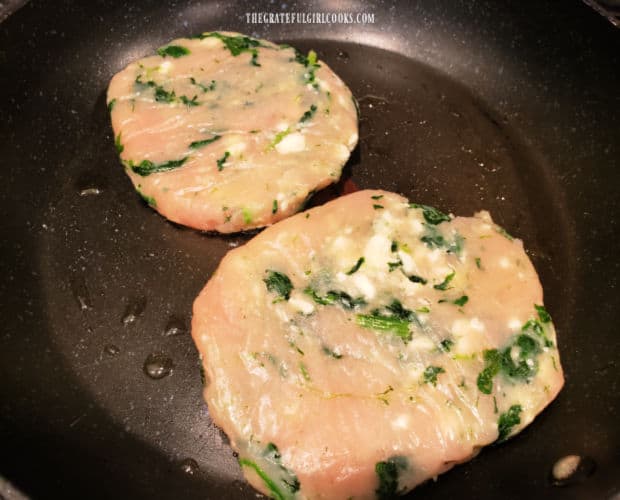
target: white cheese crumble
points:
(292, 143)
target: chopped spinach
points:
(222, 160)
(431, 215)
(147, 167)
(111, 105)
(274, 206)
(175, 51)
(446, 345)
(517, 361)
(478, 263)
(273, 455)
(330, 352)
(304, 372)
(278, 138)
(394, 265)
(189, 102)
(336, 296)
(117, 142)
(271, 485)
(148, 199)
(384, 323)
(309, 62)
(543, 315)
(376, 206)
(417, 279)
(431, 373)
(238, 44)
(204, 142)
(356, 267)
(308, 114)
(461, 301)
(503, 232)
(204, 88)
(377, 197)
(443, 286)
(280, 284)
(507, 421)
(387, 474)
(492, 364)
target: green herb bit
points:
(189, 102)
(377, 206)
(478, 263)
(507, 421)
(457, 245)
(387, 473)
(204, 142)
(304, 372)
(334, 296)
(461, 301)
(377, 197)
(503, 232)
(222, 160)
(394, 265)
(175, 51)
(543, 315)
(274, 206)
(308, 114)
(394, 246)
(433, 238)
(271, 485)
(111, 105)
(423, 309)
(117, 142)
(431, 373)
(417, 279)
(147, 167)
(392, 324)
(526, 364)
(247, 216)
(446, 345)
(431, 215)
(204, 88)
(492, 365)
(443, 286)
(356, 267)
(280, 284)
(148, 199)
(330, 352)
(162, 95)
(238, 44)
(203, 375)
(278, 138)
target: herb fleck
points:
(175, 51)
(446, 281)
(222, 160)
(431, 215)
(357, 265)
(507, 421)
(431, 373)
(204, 142)
(280, 284)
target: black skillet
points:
(507, 106)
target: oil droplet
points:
(158, 366)
(571, 469)
(343, 55)
(91, 191)
(189, 466)
(175, 326)
(111, 350)
(133, 311)
(81, 293)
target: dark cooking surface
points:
(465, 105)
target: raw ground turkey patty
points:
(362, 347)
(224, 132)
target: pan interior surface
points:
(102, 381)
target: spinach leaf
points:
(280, 284)
(175, 51)
(507, 421)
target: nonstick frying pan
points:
(508, 106)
